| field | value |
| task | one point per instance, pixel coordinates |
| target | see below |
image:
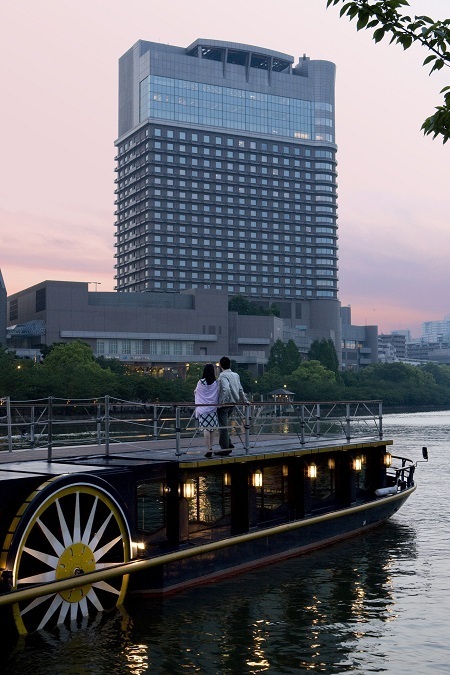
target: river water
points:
(379, 603)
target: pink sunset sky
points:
(59, 122)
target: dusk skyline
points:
(60, 122)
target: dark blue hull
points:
(266, 546)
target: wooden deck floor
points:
(192, 450)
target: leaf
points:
(405, 41)
(379, 34)
(362, 21)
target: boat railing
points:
(107, 421)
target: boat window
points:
(271, 498)
(151, 510)
(323, 487)
(211, 504)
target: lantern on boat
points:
(357, 464)
(189, 489)
(312, 471)
(387, 459)
(257, 478)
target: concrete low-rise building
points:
(359, 343)
(159, 333)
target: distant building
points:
(359, 343)
(421, 351)
(436, 331)
(391, 347)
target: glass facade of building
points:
(213, 105)
(226, 174)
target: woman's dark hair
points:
(209, 374)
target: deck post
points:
(32, 428)
(50, 429)
(99, 425)
(302, 425)
(318, 419)
(347, 422)
(9, 422)
(155, 422)
(380, 420)
(178, 430)
(247, 428)
(107, 425)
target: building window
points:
(41, 300)
(14, 310)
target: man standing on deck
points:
(230, 393)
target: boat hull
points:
(264, 547)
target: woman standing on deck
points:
(207, 394)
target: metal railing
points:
(106, 421)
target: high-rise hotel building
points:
(226, 177)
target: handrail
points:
(108, 420)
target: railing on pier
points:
(51, 422)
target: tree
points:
(7, 372)
(384, 17)
(292, 358)
(114, 365)
(283, 357)
(324, 351)
(276, 356)
(312, 381)
(240, 304)
(73, 373)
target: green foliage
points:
(312, 381)
(247, 380)
(193, 375)
(272, 379)
(385, 18)
(114, 365)
(7, 372)
(324, 351)
(240, 304)
(283, 357)
(72, 372)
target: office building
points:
(226, 178)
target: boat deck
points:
(163, 451)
